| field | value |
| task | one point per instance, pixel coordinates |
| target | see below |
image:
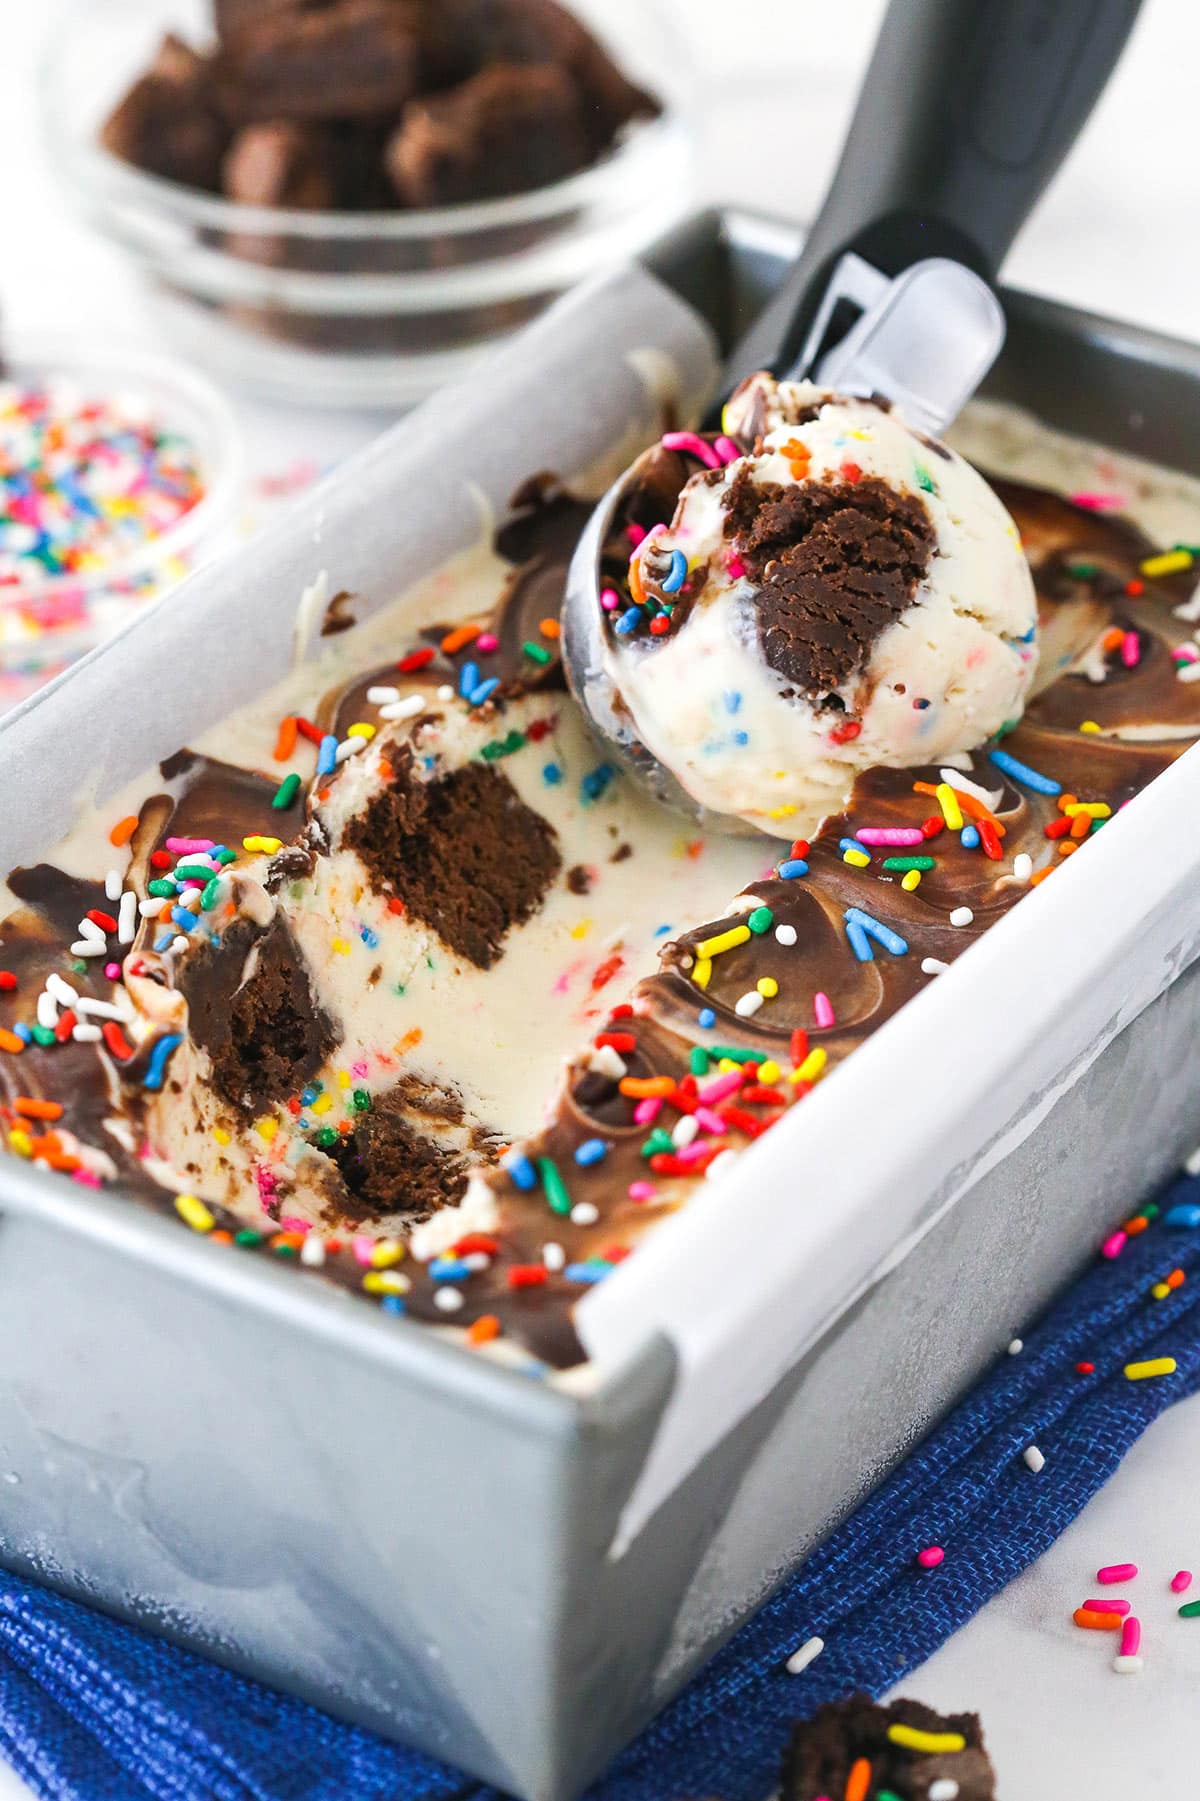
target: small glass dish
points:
(358, 309)
(47, 623)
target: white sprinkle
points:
(808, 1653)
(1015, 1346)
(445, 692)
(1124, 1666)
(954, 778)
(785, 935)
(89, 947)
(127, 917)
(191, 900)
(1033, 1459)
(179, 942)
(607, 1062)
(382, 697)
(99, 1009)
(1190, 609)
(312, 1251)
(961, 916)
(684, 1130)
(408, 708)
(448, 1299)
(147, 907)
(933, 966)
(584, 1213)
(85, 1034)
(720, 1166)
(62, 991)
(748, 1004)
(944, 1788)
(112, 884)
(1188, 672)
(89, 929)
(1192, 1163)
(477, 1261)
(553, 1256)
(47, 1010)
(349, 747)
(1022, 866)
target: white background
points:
(1119, 233)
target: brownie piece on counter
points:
(508, 129)
(170, 122)
(905, 1749)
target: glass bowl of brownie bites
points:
(346, 201)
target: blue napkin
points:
(94, 1711)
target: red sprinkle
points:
(843, 734)
(67, 1022)
(664, 1164)
(850, 472)
(476, 1241)
(989, 840)
(660, 625)
(1085, 1369)
(105, 920)
(932, 826)
(743, 1121)
(527, 1275)
(800, 847)
(619, 1041)
(798, 1049)
(1058, 828)
(308, 730)
(605, 972)
(537, 729)
(395, 905)
(623, 1010)
(615, 1253)
(161, 859)
(416, 659)
(1134, 588)
(116, 1041)
(763, 1097)
(8, 980)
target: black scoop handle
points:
(967, 109)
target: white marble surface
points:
(1117, 233)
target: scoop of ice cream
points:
(834, 591)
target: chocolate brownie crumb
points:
(835, 564)
(461, 850)
(389, 1165)
(507, 129)
(338, 614)
(579, 879)
(251, 1007)
(824, 1750)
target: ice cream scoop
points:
(833, 591)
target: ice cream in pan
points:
(326, 1017)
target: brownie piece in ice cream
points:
(909, 1751)
(508, 129)
(170, 122)
(357, 60)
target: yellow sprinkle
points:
(811, 1067)
(1094, 809)
(1168, 562)
(1154, 1366)
(784, 812)
(858, 859)
(702, 972)
(864, 437)
(931, 1742)
(322, 1104)
(191, 1209)
(221, 1135)
(386, 1281)
(951, 811)
(582, 929)
(1089, 725)
(727, 1065)
(1160, 1291)
(343, 1078)
(342, 947)
(266, 1128)
(21, 1142)
(769, 1072)
(724, 941)
(360, 730)
(911, 879)
(725, 417)
(387, 1252)
(768, 987)
(268, 846)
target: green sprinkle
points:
(1190, 1610)
(906, 863)
(211, 890)
(284, 1250)
(1010, 725)
(925, 481)
(200, 871)
(164, 890)
(78, 967)
(360, 1100)
(553, 1185)
(658, 1141)
(537, 651)
(43, 1034)
(735, 1053)
(1083, 572)
(502, 747)
(327, 1137)
(286, 792)
(761, 920)
(248, 1236)
(698, 1060)
(1151, 1210)
(223, 856)
(399, 988)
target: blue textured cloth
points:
(95, 1711)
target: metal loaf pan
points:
(439, 1548)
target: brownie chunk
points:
(824, 1751)
(506, 130)
(835, 564)
(251, 1007)
(462, 851)
(541, 31)
(170, 122)
(281, 164)
(357, 60)
(389, 1164)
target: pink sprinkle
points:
(687, 440)
(609, 599)
(1131, 1636)
(88, 1177)
(641, 1191)
(726, 449)
(1113, 1246)
(1099, 503)
(1117, 1572)
(890, 834)
(708, 1121)
(736, 568)
(265, 1180)
(930, 1557)
(1121, 1607)
(288, 1224)
(364, 1248)
(823, 1011)
(635, 534)
(183, 847)
(718, 1090)
(487, 642)
(1186, 653)
(1181, 1580)
(648, 1110)
(692, 1153)
(358, 1069)
(112, 971)
(1130, 650)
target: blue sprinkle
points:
(468, 679)
(1186, 1214)
(592, 1150)
(1021, 772)
(552, 774)
(661, 931)
(628, 623)
(732, 699)
(853, 844)
(874, 928)
(23, 1032)
(484, 691)
(369, 938)
(159, 1058)
(706, 1018)
(449, 1269)
(1029, 636)
(303, 1124)
(596, 781)
(521, 1170)
(791, 868)
(860, 944)
(393, 1303)
(969, 837)
(676, 575)
(164, 941)
(587, 1272)
(184, 918)
(740, 737)
(327, 755)
(920, 705)
(308, 1095)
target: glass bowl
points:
(45, 625)
(361, 309)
